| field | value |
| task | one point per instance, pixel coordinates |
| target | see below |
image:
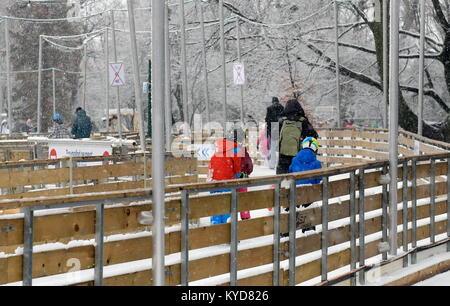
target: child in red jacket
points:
(230, 161)
(225, 165)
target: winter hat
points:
(56, 117)
(275, 99)
(310, 143)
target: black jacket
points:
(82, 125)
(294, 112)
(273, 114)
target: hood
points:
(306, 156)
(293, 109)
(81, 113)
(225, 145)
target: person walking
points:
(59, 131)
(295, 127)
(82, 124)
(4, 127)
(306, 160)
(273, 115)
(225, 164)
(28, 127)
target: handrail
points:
(192, 187)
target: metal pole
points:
(224, 72)
(107, 77)
(84, 76)
(54, 90)
(168, 105)
(8, 76)
(292, 231)
(405, 212)
(325, 234)
(352, 211)
(433, 201)
(158, 77)
(28, 247)
(119, 116)
(234, 238)
(338, 83)
(393, 123)
(241, 87)
(39, 87)
(414, 210)
(99, 244)
(385, 203)
(137, 78)
(385, 62)
(205, 62)
(276, 237)
(184, 238)
(362, 227)
(421, 66)
(183, 63)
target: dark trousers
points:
(284, 162)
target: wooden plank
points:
(340, 160)
(353, 152)
(336, 134)
(379, 137)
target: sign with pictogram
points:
(239, 74)
(116, 74)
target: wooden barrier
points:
(27, 179)
(65, 234)
(80, 226)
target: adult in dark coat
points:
(82, 125)
(273, 115)
(294, 112)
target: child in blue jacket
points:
(306, 160)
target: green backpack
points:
(290, 135)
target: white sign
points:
(146, 87)
(78, 148)
(116, 74)
(239, 74)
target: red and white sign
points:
(78, 148)
(239, 74)
(116, 74)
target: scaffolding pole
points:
(137, 79)
(393, 123)
(158, 83)
(421, 66)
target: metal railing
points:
(99, 234)
(357, 184)
(357, 178)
